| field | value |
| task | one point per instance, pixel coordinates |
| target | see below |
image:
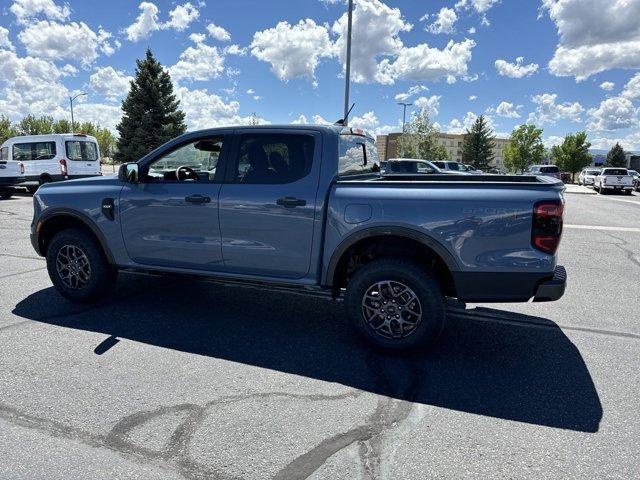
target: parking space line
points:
(620, 200)
(602, 227)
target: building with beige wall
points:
(388, 147)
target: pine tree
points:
(479, 144)
(151, 115)
(616, 157)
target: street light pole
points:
(404, 114)
(71, 99)
(347, 76)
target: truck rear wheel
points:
(5, 193)
(395, 305)
(78, 267)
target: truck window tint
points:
(549, 169)
(266, 158)
(357, 155)
(614, 171)
(81, 150)
(34, 151)
(200, 155)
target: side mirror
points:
(129, 173)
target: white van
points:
(51, 158)
(11, 174)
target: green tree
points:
(31, 125)
(616, 157)
(573, 154)
(62, 126)
(419, 140)
(7, 129)
(151, 115)
(106, 142)
(525, 148)
(478, 145)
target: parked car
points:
(636, 179)
(11, 174)
(546, 170)
(305, 208)
(408, 166)
(587, 176)
(51, 158)
(565, 177)
(449, 166)
(614, 180)
(472, 169)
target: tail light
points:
(547, 226)
(21, 168)
(63, 166)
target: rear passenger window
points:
(81, 150)
(357, 155)
(34, 151)
(274, 158)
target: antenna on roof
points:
(343, 121)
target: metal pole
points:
(71, 99)
(404, 115)
(347, 76)
(72, 125)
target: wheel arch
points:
(412, 242)
(61, 219)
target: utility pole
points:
(347, 75)
(404, 114)
(71, 99)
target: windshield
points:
(592, 172)
(549, 169)
(633, 172)
(409, 167)
(614, 171)
(81, 150)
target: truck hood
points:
(98, 181)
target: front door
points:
(170, 218)
(267, 204)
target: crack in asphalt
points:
(631, 255)
(388, 415)
(22, 273)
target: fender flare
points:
(84, 219)
(405, 232)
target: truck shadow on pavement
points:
(501, 369)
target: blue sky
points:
(565, 65)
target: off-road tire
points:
(102, 275)
(412, 275)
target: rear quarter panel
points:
(484, 228)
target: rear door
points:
(267, 203)
(82, 155)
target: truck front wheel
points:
(395, 305)
(77, 266)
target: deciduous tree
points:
(573, 154)
(525, 148)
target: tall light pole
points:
(404, 114)
(347, 75)
(71, 99)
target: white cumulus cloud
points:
(548, 111)
(109, 82)
(292, 50)
(515, 70)
(218, 33)
(508, 110)
(614, 113)
(25, 10)
(608, 86)
(444, 22)
(595, 35)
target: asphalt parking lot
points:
(172, 379)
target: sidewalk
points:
(580, 190)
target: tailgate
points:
(618, 180)
(9, 168)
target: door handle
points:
(197, 199)
(290, 202)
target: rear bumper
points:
(551, 290)
(617, 187)
(503, 287)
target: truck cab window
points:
(274, 158)
(196, 162)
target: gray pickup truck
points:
(305, 208)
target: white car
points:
(455, 167)
(614, 180)
(588, 176)
(11, 173)
(51, 158)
